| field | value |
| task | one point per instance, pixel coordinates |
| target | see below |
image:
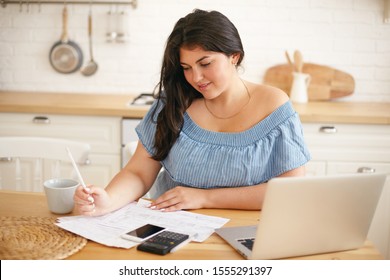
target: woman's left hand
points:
(179, 198)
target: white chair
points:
(130, 150)
(25, 161)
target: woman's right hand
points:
(92, 201)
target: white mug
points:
(59, 194)
(299, 87)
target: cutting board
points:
(326, 82)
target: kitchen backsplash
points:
(349, 35)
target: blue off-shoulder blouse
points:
(206, 159)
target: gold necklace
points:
(235, 114)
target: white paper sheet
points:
(107, 229)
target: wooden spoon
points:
(289, 61)
(298, 60)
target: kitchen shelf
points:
(133, 3)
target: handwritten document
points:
(107, 229)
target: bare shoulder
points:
(273, 96)
(267, 97)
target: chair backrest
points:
(130, 150)
(25, 160)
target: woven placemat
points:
(36, 238)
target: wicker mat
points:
(36, 238)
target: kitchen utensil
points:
(298, 61)
(91, 66)
(290, 61)
(65, 55)
(120, 27)
(111, 28)
(326, 82)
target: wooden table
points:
(18, 204)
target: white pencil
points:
(76, 169)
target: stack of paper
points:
(107, 229)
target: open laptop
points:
(310, 215)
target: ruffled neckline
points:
(243, 138)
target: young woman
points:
(218, 138)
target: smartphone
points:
(142, 233)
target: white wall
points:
(349, 35)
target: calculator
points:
(163, 242)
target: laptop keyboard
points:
(247, 242)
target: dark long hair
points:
(211, 31)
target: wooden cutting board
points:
(326, 82)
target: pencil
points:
(76, 169)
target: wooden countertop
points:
(118, 105)
(71, 104)
(22, 204)
(344, 112)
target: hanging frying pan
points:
(65, 55)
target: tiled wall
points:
(349, 35)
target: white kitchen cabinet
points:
(350, 148)
(102, 133)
